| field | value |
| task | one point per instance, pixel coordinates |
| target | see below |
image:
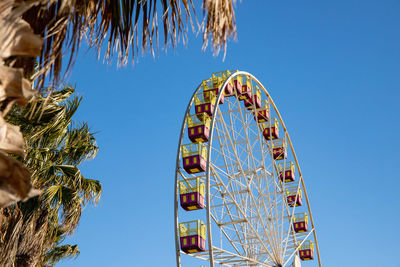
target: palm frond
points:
(91, 190)
(126, 27)
(61, 252)
(80, 144)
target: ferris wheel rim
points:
(208, 166)
(176, 191)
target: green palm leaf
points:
(56, 146)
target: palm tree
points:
(47, 28)
(32, 232)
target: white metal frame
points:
(245, 200)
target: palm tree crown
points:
(56, 147)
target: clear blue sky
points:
(333, 69)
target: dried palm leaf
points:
(32, 238)
(220, 23)
(10, 233)
(23, 237)
(11, 139)
(8, 198)
(14, 86)
(14, 181)
(16, 36)
(18, 39)
(128, 27)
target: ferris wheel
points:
(240, 197)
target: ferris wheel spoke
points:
(248, 151)
(224, 204)
(243, 216)
(228, 258)
(275, 240)
(240, 168)
(229, 238)
(267, 152)
(238, 231)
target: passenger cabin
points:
(247, 89)
(220, 78)
(199, 129)
(293, 196)
(228, 90)
(192, 236)
(300, 222)
(306, 251)
(192, 192)
(286, 170)
(271, 130)
(262, 114)
(204, 103)
(279, 149)
(237, 85)
(254, 101)
(212, 85)
(194, 157)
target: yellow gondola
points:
(247, 90)
(306, 250)
(300, 222)
(194, 157)
(294, 197)
(192, 236)
(204, 103)
(198, 129)
(271, 129)
(192, 192)
(262, 114)
(254, 101)
(286, 170)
